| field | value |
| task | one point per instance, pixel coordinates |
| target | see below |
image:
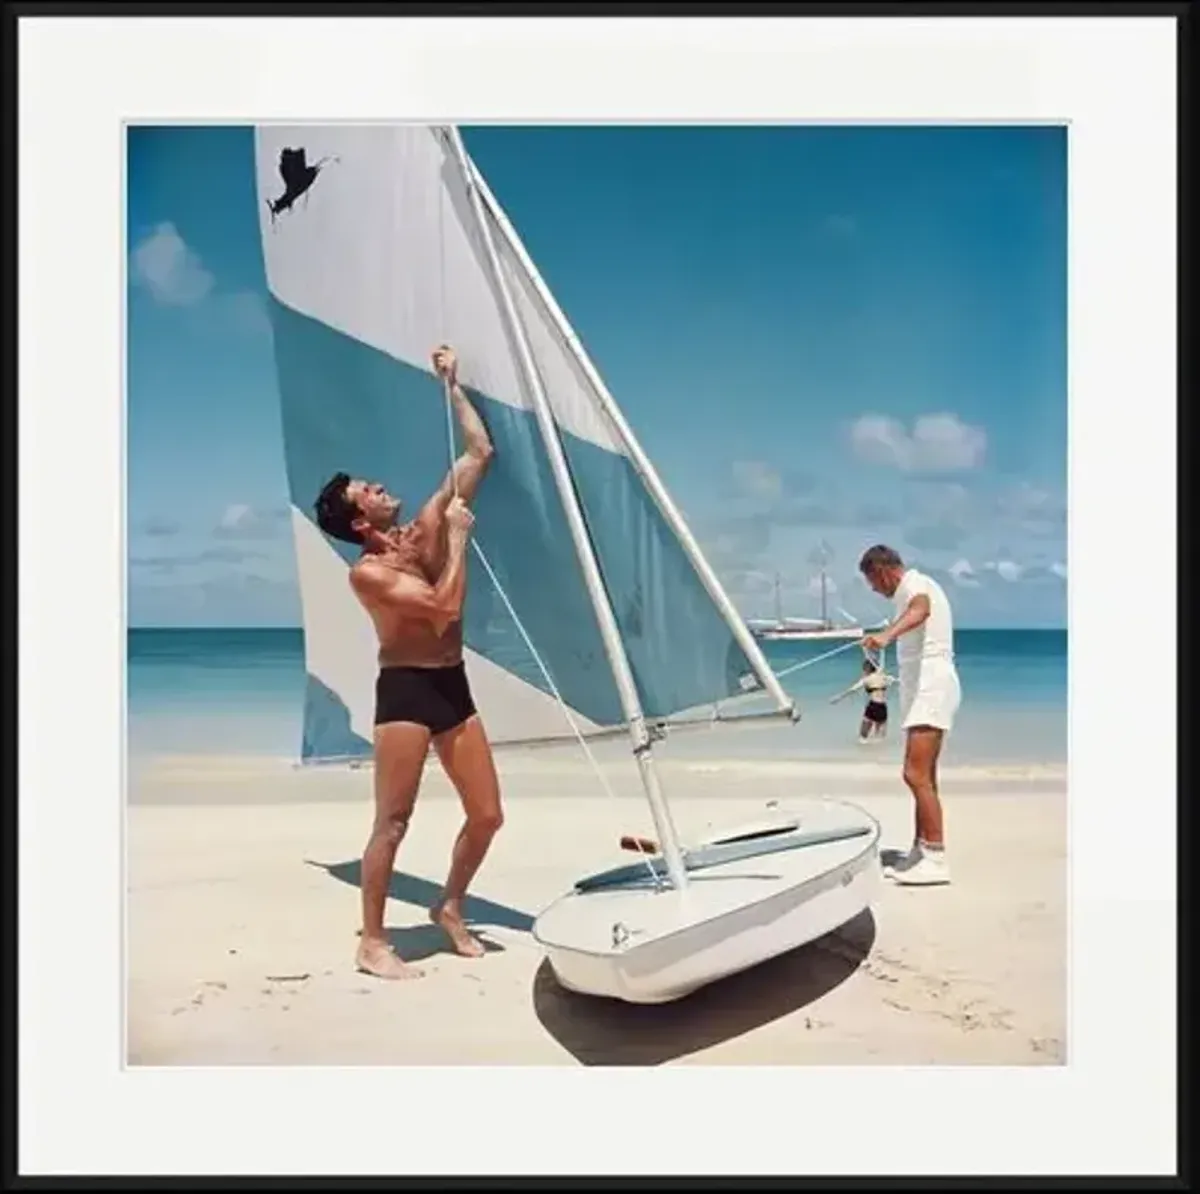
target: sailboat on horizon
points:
(789, 628)
(591, 609)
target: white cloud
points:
(234, 517)
(160, 527)
(1026, 500)
(1008, 570)
(163, 264)
(758, 479)
(1033, 571)
(938, 515)
(752, 582)
(245, 522)
(166, 267)
(964, 574)
(937, 443)
(945, 500)
(168, 564)
(935, 536)
(1032, 508)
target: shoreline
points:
(184, 778)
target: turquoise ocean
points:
(240, 692)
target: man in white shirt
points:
(923, 632)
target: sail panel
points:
(681, 649)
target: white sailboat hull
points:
(628, 939)
(798, 634)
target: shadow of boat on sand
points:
(613, 1033)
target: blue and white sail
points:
(372, 258)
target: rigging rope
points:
(449, 402)
(445, 337)
(796, 667)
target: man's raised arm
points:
(468, 470)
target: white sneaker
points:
(891, 859)
(923, 868)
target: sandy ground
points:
(243, 904)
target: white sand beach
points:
(244, 905)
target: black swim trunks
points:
(436, 697)
(876, 711)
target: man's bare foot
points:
(378, 958)
(452, 923)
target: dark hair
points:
(335, 511)
(879, 556)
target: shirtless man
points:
(929, 698)
(411, 580)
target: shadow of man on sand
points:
(610, 1032)
(416, 942)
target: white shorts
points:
(929, 695)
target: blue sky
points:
(824, 337)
